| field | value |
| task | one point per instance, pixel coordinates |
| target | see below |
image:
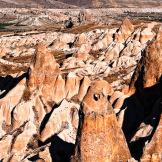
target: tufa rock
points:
(100, 130)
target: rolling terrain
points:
(80, 3)
(80, 81)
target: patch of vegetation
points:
(84, 28)
(20, 59)
(4, 25)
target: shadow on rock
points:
(7, 83)
(60, 151)
(142, 107)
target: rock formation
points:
(88, 93)
(152, 151)
(101, 139)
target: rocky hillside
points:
(83, 94)
(80, 3)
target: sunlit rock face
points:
(100, 128)
(152, 150)
(88, 93)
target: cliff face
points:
(82, 95)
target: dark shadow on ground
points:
(7, 83)
(60, 151)
(141, 107)
(46, 118)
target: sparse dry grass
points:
(20, 59)
(84, 28)
(58, 55)
(26, 95)
(119, 75)
(8, 69)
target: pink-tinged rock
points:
(120, 117)
(59, 89)
(72, 85)
(151, 63)
(23, 112)
(73, 62)
(132, 49)
(43, 73)
(144, 130)
(61, 122)
(21, 143)
(45, 155)
(118, 104)
(83, 88)
(101, 139)
(85, 48)
(153, 150)
(62, 41)
(10, 101)
(5, 146)
(113, 51)
(82, 39)
(40, 108)
(125, 31)
(115, 96)
(146, 35)
(125, 62)
(125, 89)
(97, 91)
(136, 34)
(2, 132)
(104, 42)
(82, 56)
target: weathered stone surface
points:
(11, 100)
(98, 89)
(5, 147)
(85, 71)
(143, 131)
(152, 57)
(125, 31)
(23, 139)
(62, 122)
(22, 113)
(100, 128)
(59, 89)
(72, 85)
(113, 51)
(43, 73)
(147, 34)
(45, 156)
(153, 150)
(104, 41)
(114, 96)
(84, 88)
